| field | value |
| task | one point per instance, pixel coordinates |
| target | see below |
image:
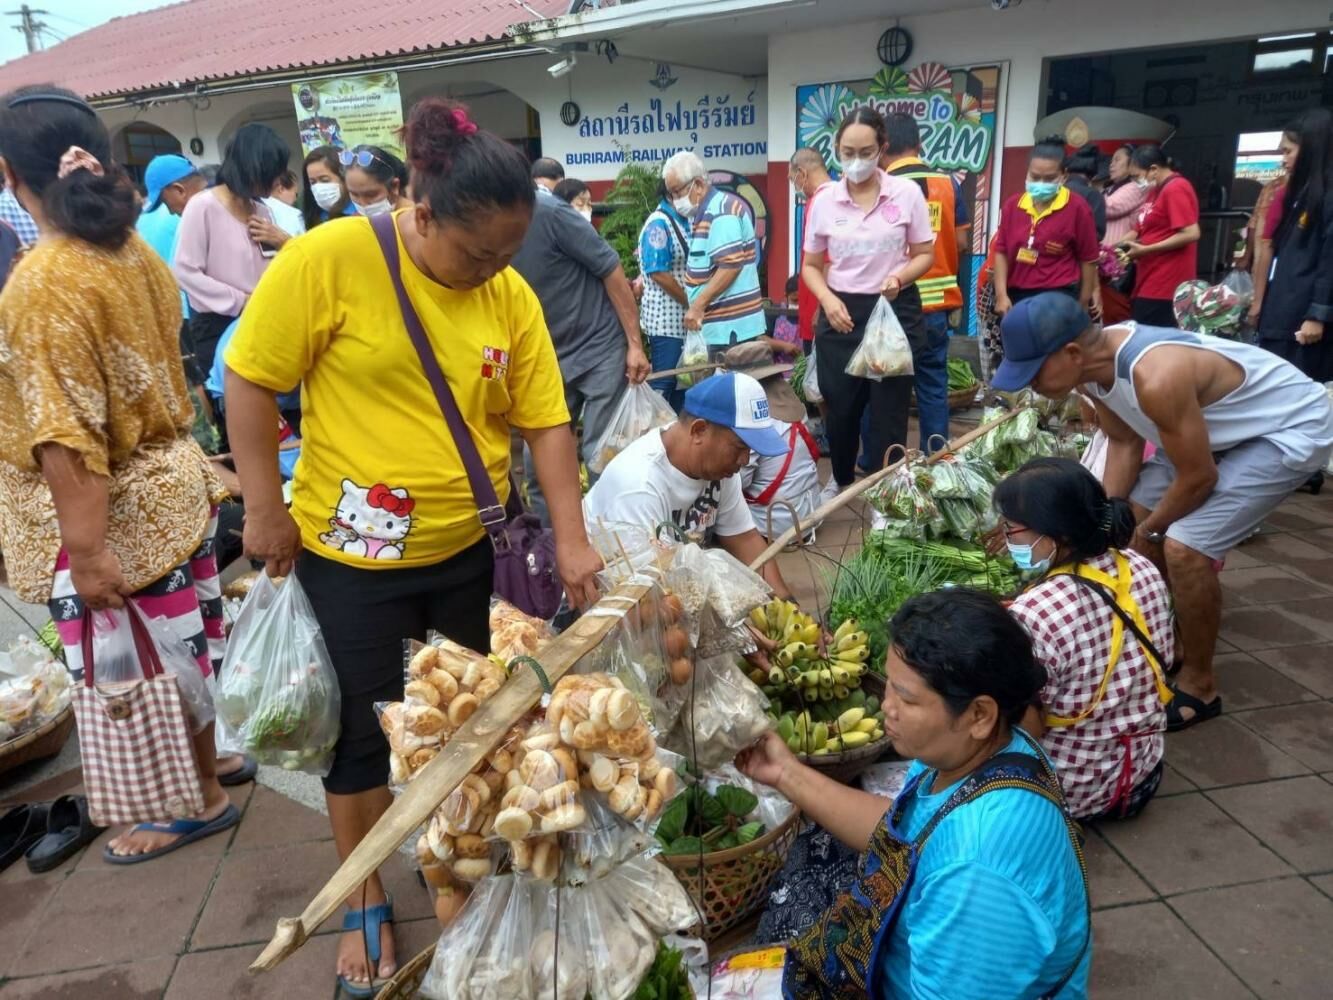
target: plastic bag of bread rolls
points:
(652, 892)
(558, 964)
(541, 796)
(605, 843)
(597, 717)
(620, 946)
(459, 944)
(722, 713)
(514, 633)
(500, 970)
(444, 684)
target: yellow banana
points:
(844, 630)
(851, 640)
(759, 619)
(854, 739)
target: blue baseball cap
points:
(738, 402)
(164, 171)
(1032, 331)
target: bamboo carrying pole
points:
(433, 783)
(856, 489)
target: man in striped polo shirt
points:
(722, 276)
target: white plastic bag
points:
(811, 385)
(884, 350)
(693, 352)
(639, 411)
(116, 659)
(277, 696)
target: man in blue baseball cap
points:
(172, 180)
(688, 473)
(1236, 429)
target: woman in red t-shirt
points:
(1162, 245)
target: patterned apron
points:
(838, 957)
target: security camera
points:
(1004, 4)
(563, 67)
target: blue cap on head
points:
(163, 171)
(737, 401)
(1033, 330)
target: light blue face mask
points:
(1022, 556)
(1043, 190)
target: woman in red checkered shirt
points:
(1100, 620)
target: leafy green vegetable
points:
(960, 374)
(672, 824)
(666, 979)
(684, 845)
(711, 811)
(798, 374)
(737, 801)
(748, 832)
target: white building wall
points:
(1024, 36)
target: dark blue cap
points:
(1032, 331)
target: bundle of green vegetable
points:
(667, 978)
(798, 378)
(700, 820)
(960, 375)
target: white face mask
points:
(858, 170)
(682, 204)
(326, 194)
(375, 208)
(585, 212)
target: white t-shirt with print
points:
(642, 487)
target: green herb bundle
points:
(705, 821)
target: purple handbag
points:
(525, 573)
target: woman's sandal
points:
(68, 831)
(188, 830)
(1203, 710)
(369, 920)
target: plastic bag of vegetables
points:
(640, 410)
(904, 498)
(277, 695)
(884, 350)
(693, 352)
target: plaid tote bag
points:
(134, 736)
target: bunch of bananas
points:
(814, 687)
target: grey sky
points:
(63, 19)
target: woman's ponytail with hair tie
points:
(463, 125)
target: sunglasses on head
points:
(360, 157)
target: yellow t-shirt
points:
(379, 483)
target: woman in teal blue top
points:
(973, 883)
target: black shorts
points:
(365, 614)
(1154, 312)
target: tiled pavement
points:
(1222, 888)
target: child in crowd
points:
(786, 339)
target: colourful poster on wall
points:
(350, 111)
(957, 111)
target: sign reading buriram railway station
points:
(634, 116)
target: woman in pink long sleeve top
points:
(227, 236)
(1124, 198)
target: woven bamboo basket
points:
(961, 399)
(37, 744)
(846, 765)
(734, 883)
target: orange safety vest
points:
(938, 286)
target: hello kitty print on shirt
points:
(370, 521)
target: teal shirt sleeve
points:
(973, 935)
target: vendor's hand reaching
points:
(768, 762)
(578, 566)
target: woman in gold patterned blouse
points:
(104, 495)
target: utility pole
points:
(29, 25)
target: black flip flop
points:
(242, 775)
(1203, 711)
(68, 831)
(20, 828)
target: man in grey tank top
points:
(1236, 429)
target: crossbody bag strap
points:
(489, 509)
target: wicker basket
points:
(37, 744)
(735, 881)
(847, 764)
(962, 399)
(406, 983)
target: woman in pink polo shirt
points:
(876, 230)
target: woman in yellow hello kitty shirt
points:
(382, 514)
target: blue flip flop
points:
(190, 830)
(371, 919)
